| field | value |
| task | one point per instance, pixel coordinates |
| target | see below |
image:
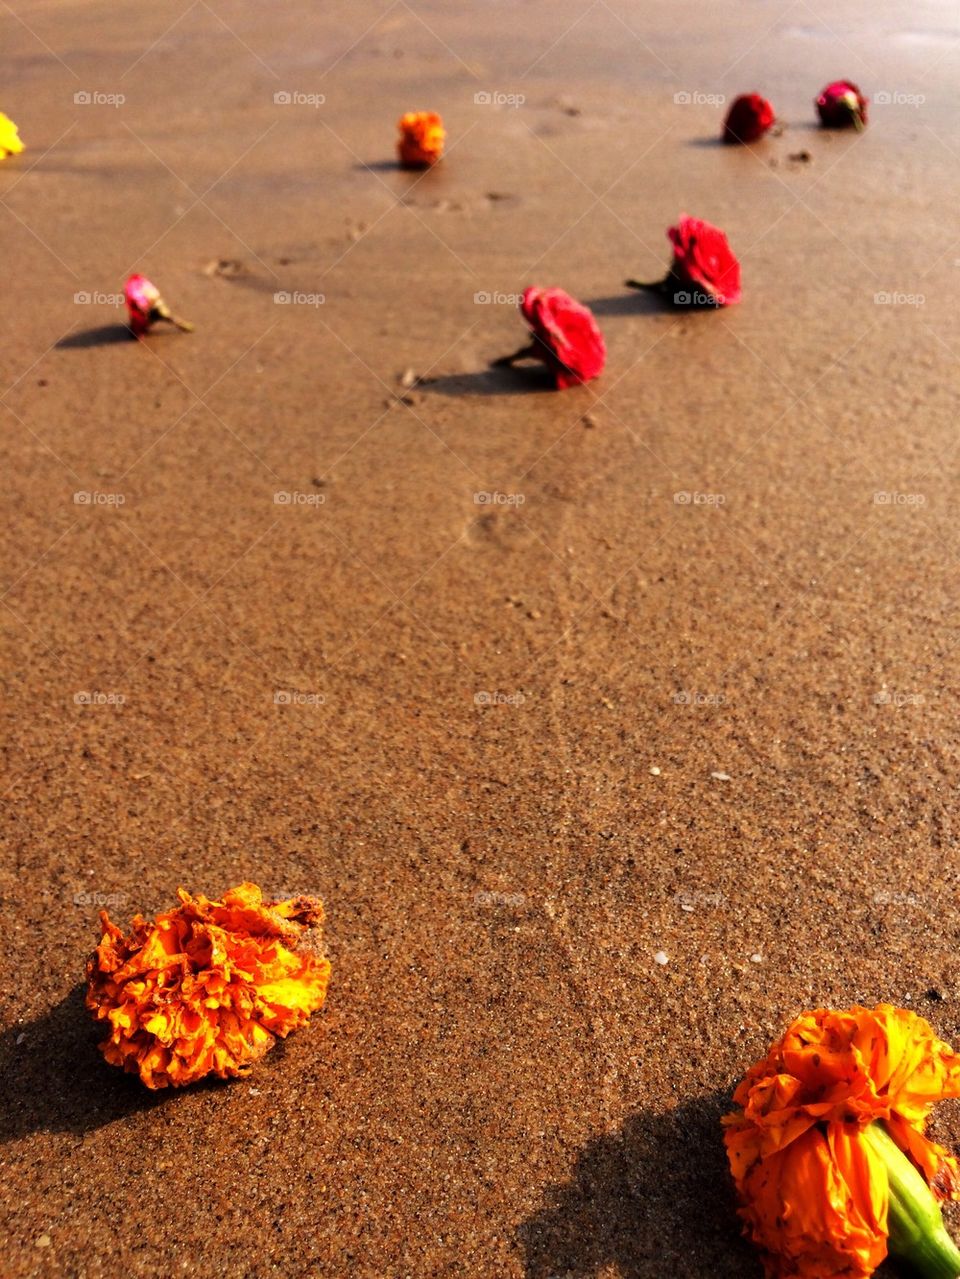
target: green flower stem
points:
(917, 1234)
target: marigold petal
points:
(817, 1208)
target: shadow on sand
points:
(629, 302)
(525, 379)
(102, 335)
(653, 1199)
(55, 1080)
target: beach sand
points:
(535, 690)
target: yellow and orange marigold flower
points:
(208, 987)
(10, 143)
(828, 1149)
(421, 139)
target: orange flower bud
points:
(421, 139)
(828, 1152)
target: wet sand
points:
(521, 748)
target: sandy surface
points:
(505, 1082)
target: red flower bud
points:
(748, 119)
(145, 306)
(842, 104)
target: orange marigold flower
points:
(421, 139)
(828, 1151)
(207, 988)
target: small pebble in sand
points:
(589, 421)
(721, 777)
(756, 958)
(661, 957)
(801, 157)
(654, 771)
(43, 1241)
(407, 378)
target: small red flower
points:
(748, 119)
(704, 271)
(145, 306)
(841, 104)
(565, 337)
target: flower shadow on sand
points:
(629, 302)
(55, 1080)
(102, 335)
(652, 1200)
(525, 379)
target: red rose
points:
(842, 104)
(704, 271)
(703, 260)
(748, 119)
(145, 306)
(565, 336)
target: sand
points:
(525, 750)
